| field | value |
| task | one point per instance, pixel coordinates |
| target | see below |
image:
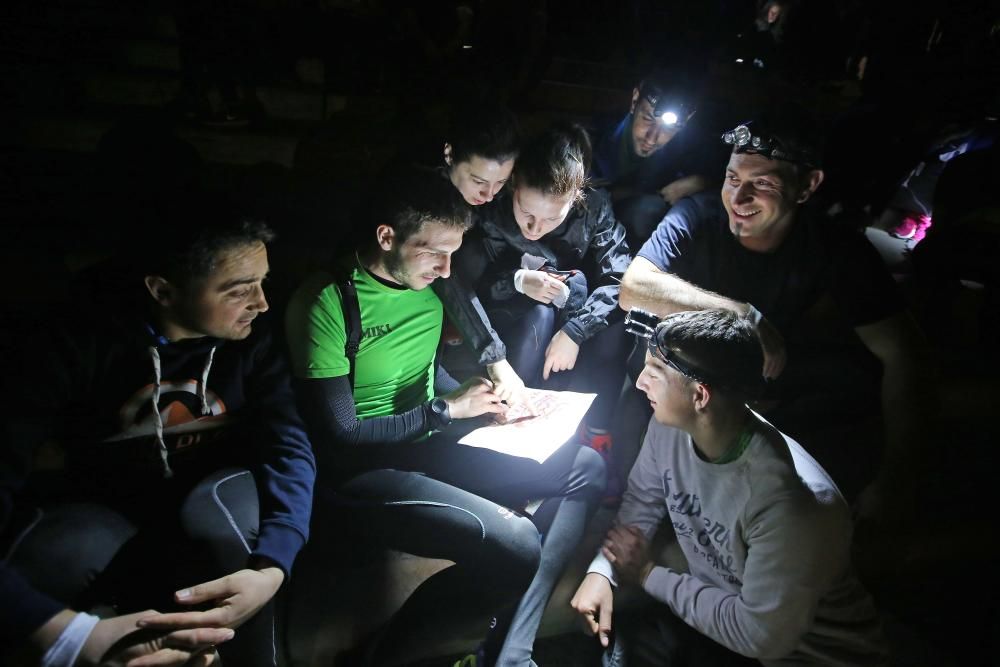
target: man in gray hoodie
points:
(763, 529)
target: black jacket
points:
(590, 240)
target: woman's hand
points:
(560, 355)
(540, 286)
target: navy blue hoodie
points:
(80, 424)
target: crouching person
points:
(155, 479)
(764, 530)
(387, 480)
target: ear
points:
(635, 100)
(385, 235)
(161, 290)
(812, 182)
(701, 396)
(447, 153)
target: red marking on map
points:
(534, 403)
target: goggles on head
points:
(646, 325)
(744, 140)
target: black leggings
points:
(526, 328)
(444, 500)
(90, 556)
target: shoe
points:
(912, 228)
(601, 443)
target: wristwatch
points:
(439, 407)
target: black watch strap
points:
(439, 407)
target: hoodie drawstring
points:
(203, 382)
(158, 419)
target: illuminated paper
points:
(535, 428)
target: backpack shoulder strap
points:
(352, 317)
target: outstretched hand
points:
(560, 355)
(235, 598)
(119, 641)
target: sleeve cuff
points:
(575, 332)
(280, 543)
(602, 566)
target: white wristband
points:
(66, 648)
(519, 280)
(754, 315)
(563, 296)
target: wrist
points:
(440, 409)
(275, 577)
(68, 647)
(519, 280)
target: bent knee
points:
(589, 470)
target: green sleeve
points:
(314, 323)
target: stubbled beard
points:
(394, 267)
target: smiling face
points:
(649, 134)
(761, 197)
(420, 259)
(223, 304)
(479, 179)
(668, 391)
(537, 214)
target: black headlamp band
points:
(647, 325)
(743, 140)
(666, 104)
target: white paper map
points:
(536, 427)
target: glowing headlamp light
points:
(668, 108)
(669, 118)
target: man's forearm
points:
(644, 286)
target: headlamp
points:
(646, 325)
(744, 140)
(668, 109)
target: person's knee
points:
(223, 512)
(589, 470)
(67, 546)
(542, 321)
